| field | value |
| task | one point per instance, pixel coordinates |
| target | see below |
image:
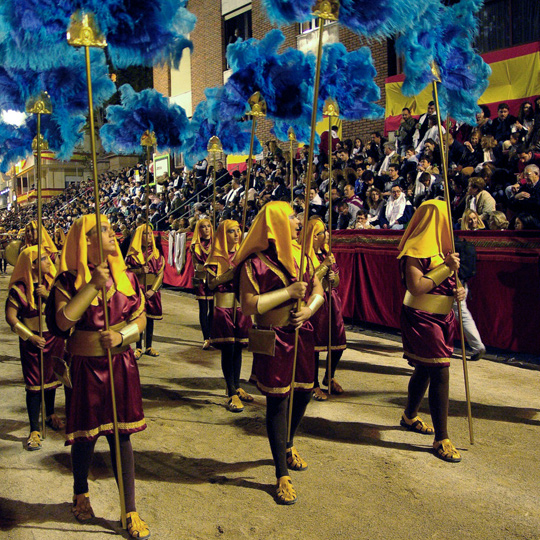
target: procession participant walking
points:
(146, 262)
(201, 244)
(327, 271)
(428, 270)
(229, 331)
(270, 285)
(22, 316)
(76, 311)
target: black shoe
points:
(478, 356)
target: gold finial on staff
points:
(291, 135)
(330, 109)
(214, 148)
(148, 140)
(84, 32)
(39, 105)
(327, 10)
(257, 110)
(436, 72)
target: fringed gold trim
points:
(412, 356)
(47, 386)
(280, 389)
(324, 348)
(70, 437)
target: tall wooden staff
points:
(258, 110)
(331, 110)
(444, 161)
(324, 10)
(38, 106)
(214, 148)
(148, 141)
(83, 32)
(292, 140)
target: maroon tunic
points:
(273, 374)
(224, 328)
(88, 404)
(153, 306)
(30, 356)
(428, 338)
(201, 290)
(320, 319)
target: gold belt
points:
(279, 316)
(33, 323)
(86, 343)
(224, 299)
(432, 303)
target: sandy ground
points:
(203, 472)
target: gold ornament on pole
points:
(39, 105)
(84, 32)
(148, 140)
(258, 110)
(291, 135)
(325, 10)
(330, 109)
(444, 160)
(214, 148)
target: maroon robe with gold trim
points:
(88, 403)
(201, 290)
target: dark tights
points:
(231, 365)
(33, 405)
(334, 359)
(276, 426)
(81, 458)
(206, 310)
(148, 334)
(438, 380)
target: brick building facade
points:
(208, 58)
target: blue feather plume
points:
(146, 110)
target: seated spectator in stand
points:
(498, 221)
(347, 215)
(410, 163)
(358, 148)
(491, 151)
(280, 191)
(323, 145)
(350, 197)
(344, 160)
(375, 148)
(471, 221)
(362, 221)
(398, 211)
(405, 131)
(425, 181)
(393, 179)
(391, 157)
(432, 133)
(524, 124)
(527, 198)
(368, 181)
(479, 199)
(422, 124)
(375, 204)
(455, 152)
(316, 206)
(525, 156)
(525, 222)
(501, 127)
(473, 151)
(459, 186)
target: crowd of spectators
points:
(493, 176)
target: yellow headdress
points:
(75, 256)
(428, 233)
(23, 272)
(314, 227)
(272, 224)
(196, 240)
(62, 239)
(46, 241)
(136, 249)
(219, 255)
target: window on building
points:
(313, 24)
(236, 25)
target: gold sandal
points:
(137, 353)
(244, 396)
(446, 451)
(416, 424)
(151, 352)
(136, 527)
(81, 508)
(234, 404)
(34, 441)
(294, 461)
(285, 492)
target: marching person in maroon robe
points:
(229, 332)
(270, 286)
(201, 244)
(75, 311)
(22, 317)
(428, 270)
(327, 271)
(147, 263)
